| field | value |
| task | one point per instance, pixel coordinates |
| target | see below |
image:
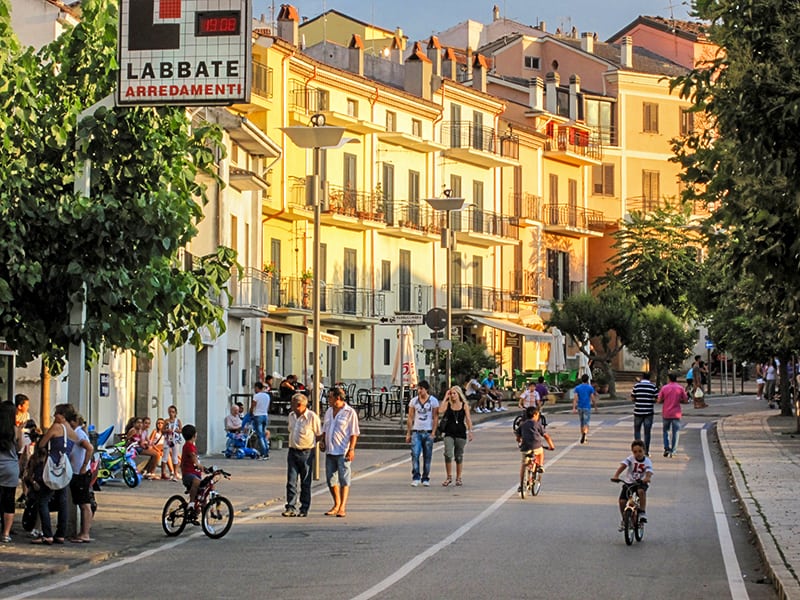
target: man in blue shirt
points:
(491, 390)
(583, 400)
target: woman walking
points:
(9, 467)
(457, 430)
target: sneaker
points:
(302, 513)
(519, 489)
(666, 453)
(5, 539)
(642, 517)
(622, 525)
(35, 533)
(289, 512)
(415, 483)
(426, 483)
(265, 457)
(497, 409)
(583, 438)
(503, 408)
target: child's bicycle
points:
(216, 512)
(531, 477)
(632, 527)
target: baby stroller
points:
(239, 444)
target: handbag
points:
(444, 422)
(57, 475)
(699, 394)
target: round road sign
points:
(436, 319)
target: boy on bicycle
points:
(638, 470)
(530, 439)
(190, 465)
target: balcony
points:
(349, 305)
(246, 181)
(261, 90)
(305, 102)
(572, 221)
(479, 146)
(413, 298)
(525, 285)
(569, 144)
(646, 205)
(412, 220)
(250, 294)
(352, 209)
(486, 299)
(484, 228)
(527, 208)
(410, 142)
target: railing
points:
(262, 79)
(294, 292)
(525, 205)
(412, 215)
(576, 141)
(413, 298)
(252, 290)
(309, 99)
(483, 298)
(486, 222)
(573, 216)
(641, 204)
(349, 202)
(465, 134)
(606, 136)
(526, 286)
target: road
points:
(477, 541)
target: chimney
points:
(536, 93)
(587, 42)
(418, 71)
(356, 55)
(543, 26)
(479, 70)
(470, 57)
(495, 13)
(397, 50)
(626, 52)
(289, 24)
(574, 91)
(551, 82)
(450, 65)
(435, 55)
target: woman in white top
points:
(172, 443)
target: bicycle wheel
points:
(628, 526)
(638, 528)
(217, 517)
(536, 478)
(173, 517)
(130, 476)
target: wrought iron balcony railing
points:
(483, 298)
(486, 222)
(251, 291)
(572, 216)
(465, 134)
(576, 141)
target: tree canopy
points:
(123, 243)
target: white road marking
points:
(732, 569)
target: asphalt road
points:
(477, 541)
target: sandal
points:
(447, 482)
(458, 482)
(42, 541)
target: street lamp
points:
(317, 137)
(448, 205)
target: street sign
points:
(709, 344)
(182, 52)
(436, 319)
(406, 319)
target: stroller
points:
(239, 444)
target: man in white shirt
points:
(340, 432)
(259, 409)
(423, 418)
(304, 431)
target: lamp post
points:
(317, 137)
(448, 205)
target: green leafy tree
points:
(661, 338)
(122, 244)
(470, 358)
(608, 317)
(746, 160)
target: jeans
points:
(421, 443)
(300, 466)
(647, 421)
(45, 495)
(675, 426)
(260, 425)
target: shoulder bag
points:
(57, 475)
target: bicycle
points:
(216, 511)
(632, 527)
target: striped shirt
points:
(644, 397)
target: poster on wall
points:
(105, 386)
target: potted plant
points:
(276, 442)
(305, 282)
(306, 276)
(600, 380)
(270, 269)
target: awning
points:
(532, 335)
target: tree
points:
(745, 161)
(608, 317)
(123, 244)
(662, 338)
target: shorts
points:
(188, 478)
(337, 470)
(623, 493)
(538, 456)
(586, 416)
(80, 487)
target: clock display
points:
(219, 22)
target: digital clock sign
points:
(218, 22)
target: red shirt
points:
(187, 460)
(672, 395)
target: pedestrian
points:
(583, 400)
(530, 397)
(304, 432)
(80, 486)
(9, 467)
(698, 395)
(770, 378)
(542, 390)
(259, 409)
(671, 396)
(172, 443)
(530, 439)
(643, 395)
(760, 381)
(24, 426)
(457, 431)
(637, 468)
(339, 436)
(423, 418)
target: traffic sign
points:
(436, 319)
(182, 52)
(709, 344)
(404, 319)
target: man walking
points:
(583, 400)
(339, 435)
(259, 409)
(643, 395)
(304, 431)
(671, 397)
(423, 418)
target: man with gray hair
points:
(304, 432)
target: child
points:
(172, 441)
(190, 465)
(637, 468)
(530, 438)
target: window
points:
(552, 216)
(391, 121)
(651, 191)
(603, 180)
(416, 127)
(477, 131)
(531, 62)
(404, 275)
(687, 122)
(572, 200)
(600, 117)
(352, 107)
(387, 347)
(413, 198)
(558, 272)
(349, 278)
(650, 112)
(562, 103)
(386, 275)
